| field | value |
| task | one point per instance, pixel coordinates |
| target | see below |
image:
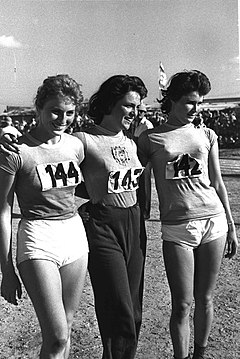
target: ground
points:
(20, 336)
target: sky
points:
(93, 40)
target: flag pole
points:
(239, 38)
(15, 67)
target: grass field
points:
(20, 335)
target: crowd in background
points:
(224, 122)
(21, 125)
(226, 125)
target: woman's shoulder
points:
(91, 130)
(72, 141)
(70, 137)
(209, 133)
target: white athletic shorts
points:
(191, 234)
(59, 241)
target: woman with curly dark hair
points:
(194, 208)
(115, 230)
(44, 174)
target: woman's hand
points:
(11, 289)
(8, 144)
(232, 241)
(84, 214)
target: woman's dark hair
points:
(181, 84)
(59, 85)
(110, 92)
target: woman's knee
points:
(55, 344)
(55, 341)
(204, 301)
(59, 345)
(181, 309)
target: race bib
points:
(184, 166)
(125, 179)
(60, 174)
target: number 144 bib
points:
(60, 174)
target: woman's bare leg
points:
(47, 287)
(73, 279)
(208, 258)
(179, 264)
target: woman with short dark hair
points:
(194, 208)
(115, 230)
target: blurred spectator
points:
(6, 126)
(29, 125)
(157, 118)
(139, 125)
(22, 126)
(77, 123)
(85, 122)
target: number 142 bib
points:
(184, 166)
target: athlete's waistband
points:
(103, 205)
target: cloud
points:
(235, 60)
(9, 42)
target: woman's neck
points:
(174, 121)
(109, 124)
(44, 137)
